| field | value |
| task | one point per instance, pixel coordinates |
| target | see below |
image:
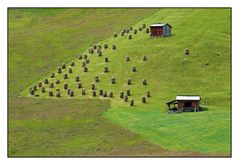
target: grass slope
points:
(206, 32)
(40, 39)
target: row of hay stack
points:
(130, 31)
(56, 80)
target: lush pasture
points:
(206, 72)
(40, 40)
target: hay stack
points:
(43, 90)
(113, 80)
(144, 58)
(65, 86)
(110, 94)
(105, 94)
(143, 99)
(59, 70)
(135, 31)
(147, 30)
(186, 51)
(95, 46)
(93, 86)
(83, 64)
(97, 79)
(87, 61)
(129, 81)
(58, 94)
(106, 59)
(133, 69)
(140, 28)
(148, 94)
(63, 66)
(128, 92)
(106, 69)
(144, 82)
(80, 57)
(85, 69)
(122, 33)
(101, 92)
(52, 75)
(85, 56)
(114, 47)
(91, 51)
(121, 94)
(72, 63)
(34, 87)
(36, 95)
(77, 78)
(32, 92)
(99, 52)
(125, 98)
(46, 81)
(58, 81)
(127, 59)
(68, 91)
(144, 25)
(115, 35)
(51, 85)
(71, 93)
(65, 76)
(39, 84)
(50, 93)
(70, 70)
(106, 46)
(83, 92)
(130, 37)
(93, 93)
(131, 102)
(79, 85)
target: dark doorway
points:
(187, 104)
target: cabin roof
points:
(159, 25)
(185, 97)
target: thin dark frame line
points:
(230, 155)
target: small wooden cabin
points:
(160, 30)
(185, 103)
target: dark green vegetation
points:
(206, 71)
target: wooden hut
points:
(185, 103)
(160, 30)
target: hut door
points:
(159, 31)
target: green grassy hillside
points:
(40, 39)
(205, 72)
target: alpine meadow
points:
(98, 82)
